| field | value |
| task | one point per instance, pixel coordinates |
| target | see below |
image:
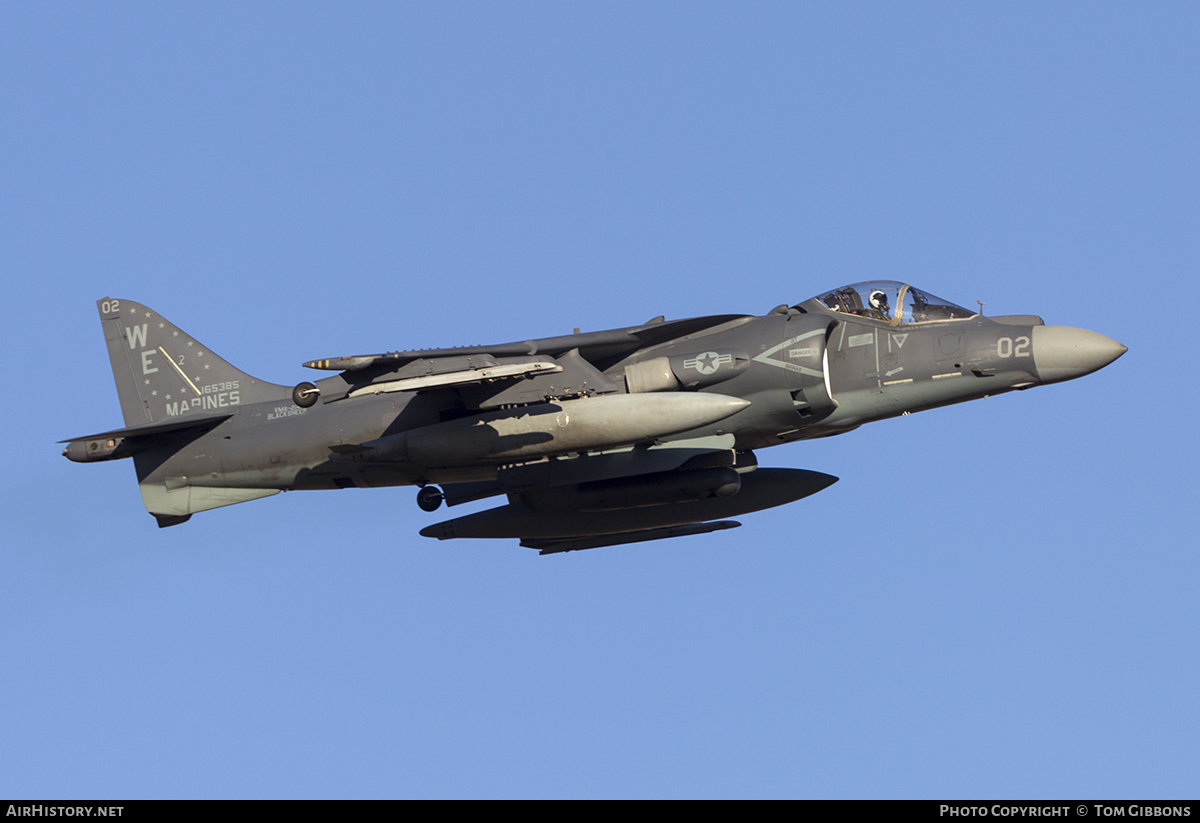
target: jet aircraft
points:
(597, 439)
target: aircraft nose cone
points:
(1063, 353)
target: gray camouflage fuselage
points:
(600, 438)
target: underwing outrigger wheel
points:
(305, 394)
(429, 498)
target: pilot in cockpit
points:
(879, 302)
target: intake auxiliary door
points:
(802, 354)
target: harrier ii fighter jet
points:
(597, 439)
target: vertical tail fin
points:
(162, 372)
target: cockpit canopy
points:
(891, 302)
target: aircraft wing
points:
(556, 473)
(627, 495)
(594, 346)
(574, 544)
(690, 500)
(561, 366)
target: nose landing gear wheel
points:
(430, 498)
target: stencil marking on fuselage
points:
(766, 356)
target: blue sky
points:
(996, 600)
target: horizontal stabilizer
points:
(166, 427)
(119, 443)
(575, 544)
